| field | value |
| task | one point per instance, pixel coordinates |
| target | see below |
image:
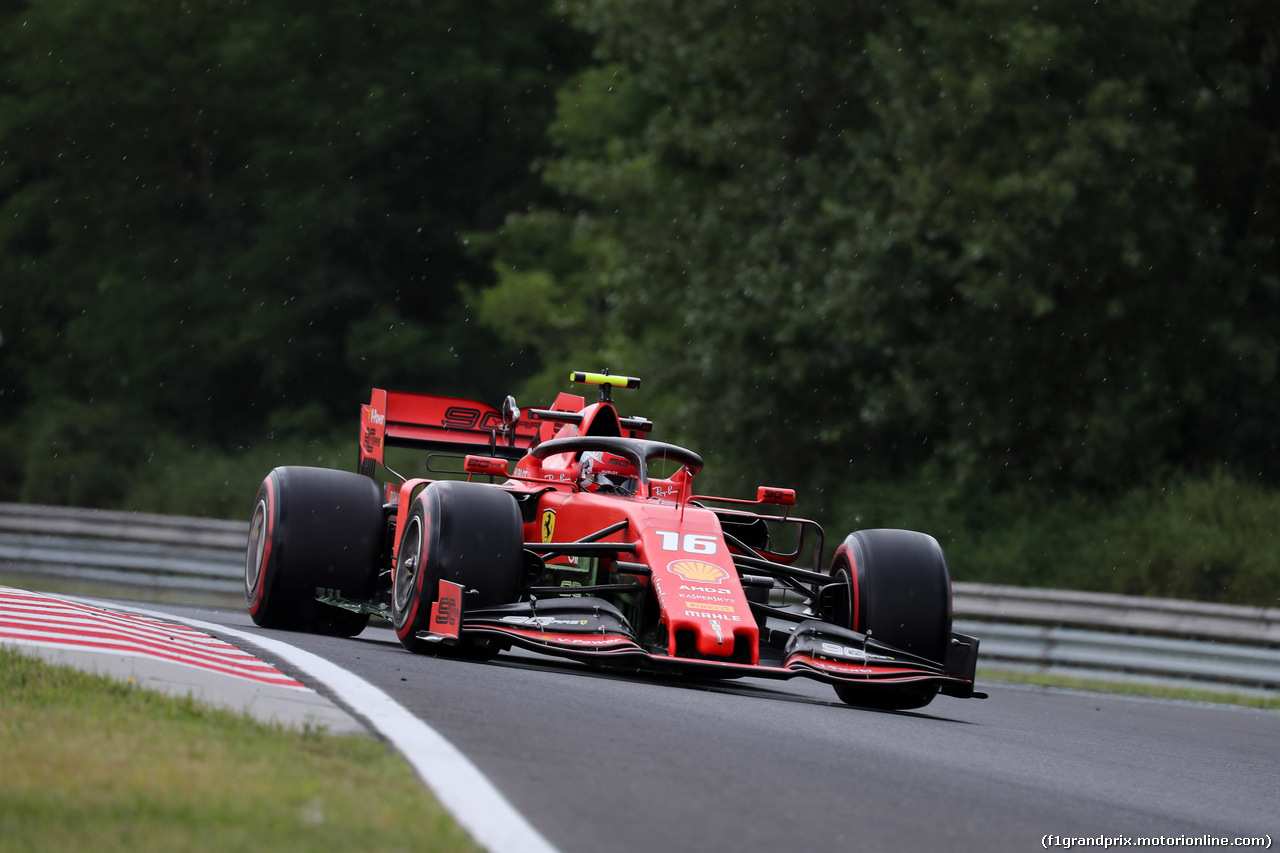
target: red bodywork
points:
(669, 543)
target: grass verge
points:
(95, 764)
(1158, 691)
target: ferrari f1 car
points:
(595, 547)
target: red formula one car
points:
(595, 547)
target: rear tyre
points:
(898, 589)
(467, 533)
(312, 528)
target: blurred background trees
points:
(992, 270)
(1017, 245)
(219, 220)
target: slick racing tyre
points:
(898, 589)
(312, 528)
(467, 533)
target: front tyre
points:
(312, 528)
(897, 588)
(467, 533)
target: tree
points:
(210, 213)
(1008, 243)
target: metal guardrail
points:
(1092, 634)
(1160, 616)
(123, 554)
(1136, 657)
(201, 562)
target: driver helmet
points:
(607, 474)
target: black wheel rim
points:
(256, 551)
(842, 599)
(408, 565)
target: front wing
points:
(590, 629)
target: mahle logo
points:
(697, 570)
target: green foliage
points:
(1009, 242)
(79, 453)
(212, 212)
(1211, 540)
(179, 479)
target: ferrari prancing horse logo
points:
(548, 524)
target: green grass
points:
(1158, 691)
(87, 763)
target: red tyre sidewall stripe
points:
(853, 583)
(269, 534)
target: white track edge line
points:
(467, 793)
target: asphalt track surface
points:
(599, 761)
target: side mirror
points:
(510, 413)
(773, 495)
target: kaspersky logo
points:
(697, 571)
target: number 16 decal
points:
(694, 543)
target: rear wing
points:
(427, 422)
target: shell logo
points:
(697, 570)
